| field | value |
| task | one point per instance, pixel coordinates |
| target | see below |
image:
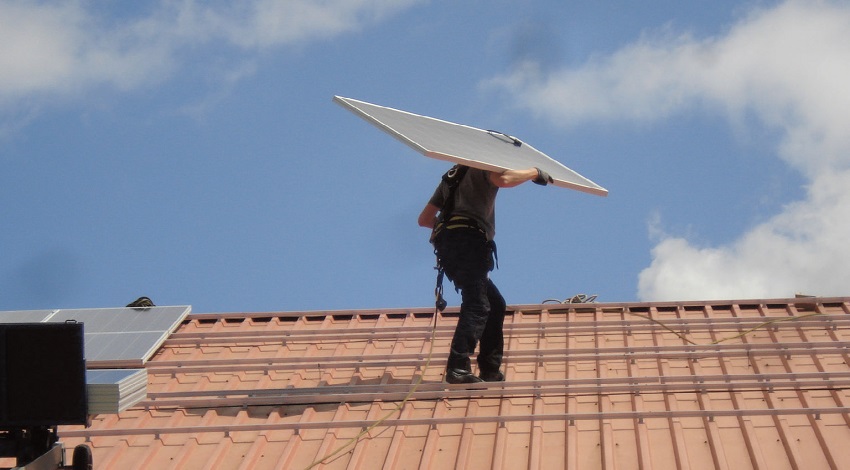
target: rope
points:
(740, 335)
(582, 298)
(439, 307)
(576, 299)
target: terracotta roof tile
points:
(734, 384)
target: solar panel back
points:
(42, 374)
(457, 143)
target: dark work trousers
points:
(467, 258)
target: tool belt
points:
(455, 222)
(460, 222)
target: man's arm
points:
(511, 178)
(428, 216)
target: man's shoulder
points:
(478, 173)
(481, 177)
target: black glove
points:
(543, 178)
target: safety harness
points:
(452, 178)
(448, 221)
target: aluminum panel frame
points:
(471, 146)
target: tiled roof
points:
(695, 385)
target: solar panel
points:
(25, 316)
(114, 337)
(123, 337)
(457, 143)
(115, 390)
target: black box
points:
(42, 374)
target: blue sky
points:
(191, 151)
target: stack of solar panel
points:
(114, 390)
(118, 342)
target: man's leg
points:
(464, 256)
(492, 339)
(474, 311)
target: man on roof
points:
(461, 215)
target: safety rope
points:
(740, 335)
(440, 305)
(582, 298)
(576, 299)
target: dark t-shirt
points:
(475, 198)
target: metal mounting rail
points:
(569, 418)
(634, 353)
(439, 390)
(635, 324)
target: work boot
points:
(461, 376)
(496, 376)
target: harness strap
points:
(455, 222)
(492, 245)
(452, 178)
(440, 303)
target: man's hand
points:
(542, 178)
(511, 178)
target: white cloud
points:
(788, 67)
(803, 249)
(60, 48)
(264, 23)
(33, 46)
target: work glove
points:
(543, 178)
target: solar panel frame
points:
(466, 145)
